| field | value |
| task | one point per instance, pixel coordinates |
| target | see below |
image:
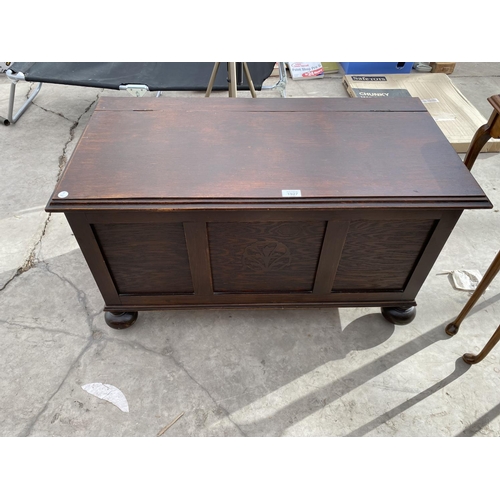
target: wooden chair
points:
(481, 137)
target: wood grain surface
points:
(178, 202)
(381, 255)
(146, 258)
(176, 149)
(265, 256)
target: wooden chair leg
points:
(472, 359)
(485, 133)
(481, 137)
(492, 271)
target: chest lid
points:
(196, 152)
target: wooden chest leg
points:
(120, 320)
(399, 315)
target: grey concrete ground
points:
(324, 372)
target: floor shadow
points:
(366, 332)
(480, 423)
(241, 356)
(479, 306)
(460, 368)
(301, 408)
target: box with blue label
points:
(376, 68)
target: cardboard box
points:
(305, 70)
(442, 67)
(457, 118)
(376, 68)
(330, 67)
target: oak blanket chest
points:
(190, 202)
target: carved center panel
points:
(265, 256)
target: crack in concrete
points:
(38, 328)
(83, 301)
(50, 111)
(81, 297)
(31, 260)
(8, 282)
(63, 158)
(29, 427)
(136, 344)
(217, 405)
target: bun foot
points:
(399, 315)
(120, 320)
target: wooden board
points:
(455, 115)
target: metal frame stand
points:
(235, 72)
(14, 78)
(232, 78)
(281, 83)
(133, 89)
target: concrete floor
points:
(321, 372)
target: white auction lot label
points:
(286, 193)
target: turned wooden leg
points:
(472, 359)
(492, 271)
(120, 320)
(399, 315)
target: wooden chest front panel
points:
(143, 260)
(146, 258)
(381, 254)
(265, 256)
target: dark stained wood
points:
(428, 257)
(146, 258)
(331, 252)
(111, 104)
(380, 255)
(119, 320)
(199, 257)
(188, 153)
(93, 255)
(251, 300)
(265, 256)
(178, 203)
(399, 315)
(162, 216)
